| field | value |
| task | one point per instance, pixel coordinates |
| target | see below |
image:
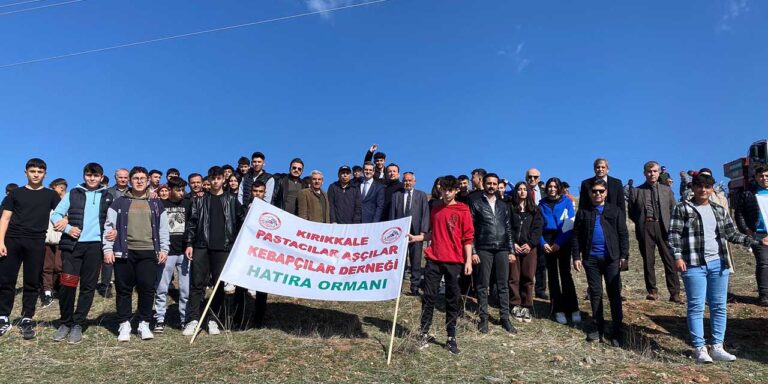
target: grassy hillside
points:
(346, 342)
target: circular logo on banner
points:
(391, 235)
(269, 221)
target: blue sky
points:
(442, 86)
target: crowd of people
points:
(479, 234)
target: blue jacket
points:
(91, 223)
(559, 218)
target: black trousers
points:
(79, 265)
(31, 253)
(652, 237)
(761, 267)
(541, 272)
(496, 261)
(433, 273)
(598, 270)
(206, 266)
(106, 276)
(414, 257)
(137, 270)
(562, 291)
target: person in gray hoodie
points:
(141, 241)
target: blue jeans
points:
(706, 284)
(179, 263)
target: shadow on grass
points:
(385, 326)
(300, 320)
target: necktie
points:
(408, 204)
(365, 188)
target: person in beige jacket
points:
(313, 202)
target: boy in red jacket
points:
(449, 253)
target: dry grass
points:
(346, 342)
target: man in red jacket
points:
(451, 249)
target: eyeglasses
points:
(296, 168)
(532, 177)
(598, 191)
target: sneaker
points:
(452, 346)
(229, 289)
(61, 333)
(719, 354)
(576, 317)
(526, 314)
(189, 328)
(483, 325)
(124, 333)
(651, 296)
(145, 332)
(46, 300)
(763, 301)
(517, 313)
(159, 327)
(27, 329)
(5, 325)
(424, 340)
(213, 328)
(76, 335)
(560, 318)
(593, 336)
(507, 326)
(701, 355)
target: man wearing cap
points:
(650, 206)
(411, 202)
(344, 199)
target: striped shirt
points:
(686, 234)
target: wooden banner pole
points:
(205, 311)
(394, 327)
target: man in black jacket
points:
(751, 221)
(492, 248)
(393, 185)
(212, 227)
(287, 188)
(379, 159)
(615, 187)
(601, 246)
(344, 199)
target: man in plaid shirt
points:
(698, 233)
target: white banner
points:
(276, 252)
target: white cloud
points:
(732, 9)
(516, 55)
(324, 5)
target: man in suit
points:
(372, 194)
(650, 208)
(411, 202)
(615, 187)
(532, 178)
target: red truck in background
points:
(741, 171)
